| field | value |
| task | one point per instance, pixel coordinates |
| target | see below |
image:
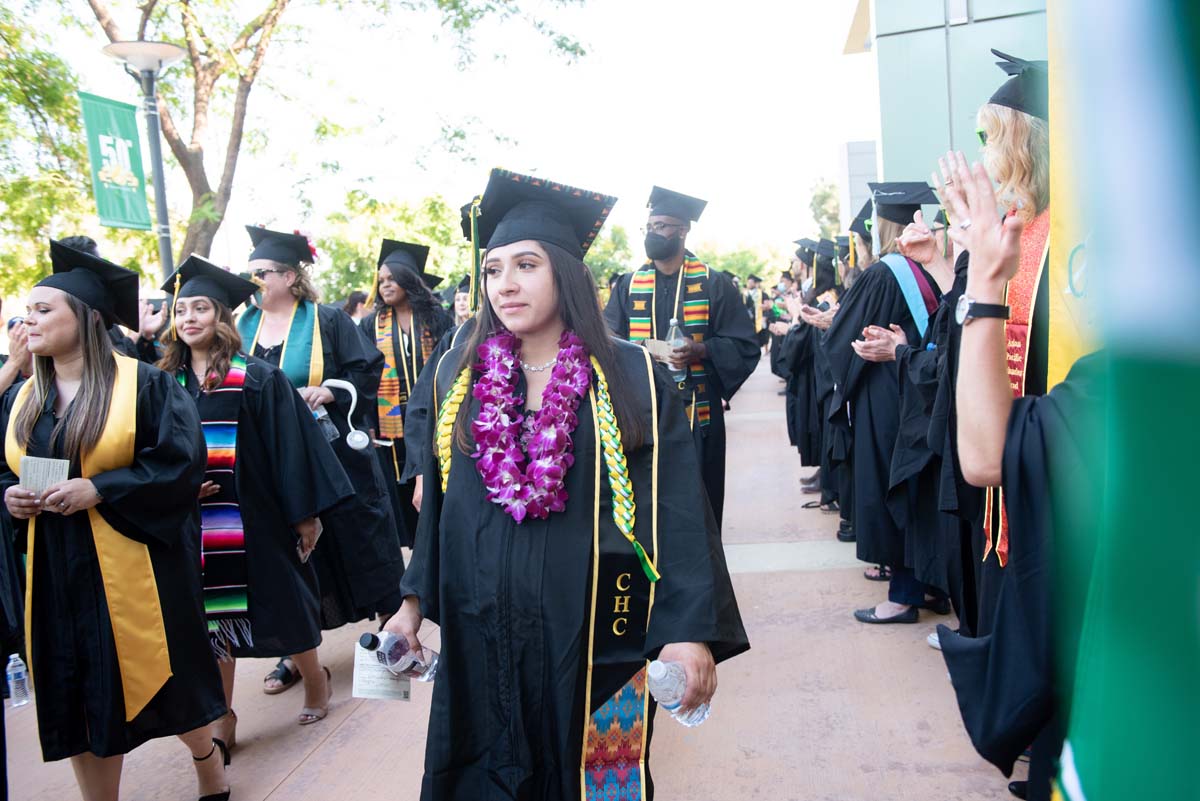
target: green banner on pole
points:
(116, 158)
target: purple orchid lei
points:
(527, 481)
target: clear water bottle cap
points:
(369, 641)
(657, 670)
(674, 321)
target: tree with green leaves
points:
(45, 181)
(610, 254)
(225, 56)
(826, 208)
(349, 249)
(741, 262)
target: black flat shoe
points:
(883, 573)
(1019, 789)
(868, 616)
(846, 535)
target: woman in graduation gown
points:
(555, 575)
(406, 325)
(358, 561)
(114, 617)
(865, 401)
(270, 474)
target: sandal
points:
(286, 676)
(224, 794)
(311, 714)
(882, 573)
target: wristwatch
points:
(968, 309)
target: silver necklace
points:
(540, 368)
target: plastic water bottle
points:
(325, 424)
(18, 681)
(667, 682)
(394, 654)
(676, 339)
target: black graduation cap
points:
(464, 214)
(517, 207)
(199, 277)
(940, 218)
(277, 246)
(753, 277)
(826, 249)
(861, 224)
(843, 247)
(464, 286)
(102, 285)
(1028, 89)
(898, 201)
(806, 251)
(666, 203)
(411, 255)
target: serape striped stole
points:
(692, 312)
(222, 534)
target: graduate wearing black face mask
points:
(721, 351)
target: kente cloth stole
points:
(302, 359)
(126, 571)
(1021, 297)
(222, 534)
(393, 393)
(615, 741)
(692, 313)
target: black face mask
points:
(660, 248)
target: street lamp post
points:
(144, 61)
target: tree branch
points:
(147, 10)
(105, 18)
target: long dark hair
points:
(578, 310)
(420, 297)
(226, 342)
(824, 279)
(83, 423)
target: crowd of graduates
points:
(247, 468)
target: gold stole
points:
(130, 589)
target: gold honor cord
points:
(445, 423)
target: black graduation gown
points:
(80, 705)
(418, 435)
(803, 410)
(392, 459)
(358, 559)
(872, 391)
(1006, 682)
(733, 353)
(285, 473)
(512, 602)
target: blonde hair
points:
(888, 233)
(303, 287)
(1017, 157)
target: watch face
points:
(960, 311)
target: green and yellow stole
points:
(393, 395)
(302, 359)
(126, 571)
(692, 314)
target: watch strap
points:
(996, 310)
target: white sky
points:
(744, 104)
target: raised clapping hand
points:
(701, 670)
(880, 344)
(993, 242)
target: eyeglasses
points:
(982, 134)
(260, 273)
(659, 227)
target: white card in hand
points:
(373, 680)
(39, 475)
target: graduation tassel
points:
(174, 297)
(474, 214)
